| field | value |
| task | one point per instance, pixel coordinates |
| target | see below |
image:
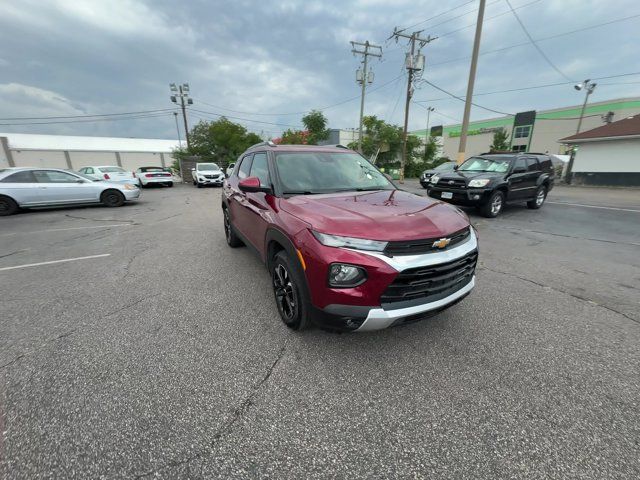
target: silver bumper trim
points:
(379, 318)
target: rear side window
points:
(88, 170)
(545, 164)
(260, 169)
(245, 167)
(20, 177)
(532, 165)
(520, 163)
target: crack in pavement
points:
(566, 236)
(555, 289)
(13, 253)
(226, 427)
(11, 363)
(132, 222)
(126, 307)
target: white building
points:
(62, 151)
(607, 155)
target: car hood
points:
(388, 215)
(469, 175)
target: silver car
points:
(42, 187)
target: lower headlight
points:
(342, 275)
(434, 179)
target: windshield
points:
(152, 169)
(486, 164)
(324, 172)
(445, 167)
(112, 169)
(207, 167)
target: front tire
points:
(538, 200)
(290, 293)
(8, 206)
(232, 239)
(112, 198)
(494, 205)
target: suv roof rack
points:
(263, 144)
(337, 145)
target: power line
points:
(107, 119)
(533, 42)
(243, 119)
(89, 116)
(436, 16)
(550, 37)
(463, 100)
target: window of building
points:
(522, 131)
(260, 169)
(518, 148)
(245, 167)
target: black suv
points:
(488, 181)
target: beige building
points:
(63, 151)
(534, 131)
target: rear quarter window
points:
(20, 177)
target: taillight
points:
(106, 176)
(148, 175)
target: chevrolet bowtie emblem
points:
(442, 243)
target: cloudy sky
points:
(264, 62)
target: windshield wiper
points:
(368, 189)
(299, 192)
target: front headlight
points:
(479, 182)
(129, 186)
(342, 275)
(349, 242)
(434, 179)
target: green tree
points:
(500, 140)
(430, 150)
(316, 124)
(221, 141)
(385, 140)
(293, 137)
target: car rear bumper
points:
(157, 180)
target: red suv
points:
(345, 248)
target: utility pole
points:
(427, 134)
(588, 87)
(472, 78)
(414, 63)
(175, 116)
(182, 91)
(363, 77)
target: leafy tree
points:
(221, 141)
(385, 139)
(430, 150)
(316, 124)
(293, 137)
(500, 142)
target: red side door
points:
(257, 207)
(237, 199)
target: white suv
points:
(207, 174)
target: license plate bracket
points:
(447, 195)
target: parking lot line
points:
(64, 229)
(54, 261)
(595, 206)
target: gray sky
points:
(75, 57)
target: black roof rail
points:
(337, 145)
(263, 144)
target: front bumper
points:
(211, 181)
(470, 197)
(344, 316)
(130, 195)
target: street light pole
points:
(182, 91)
(175, 116)
(588, 87)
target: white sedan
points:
(153, 176)
(109, 173)
(44, 187)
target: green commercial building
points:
(534, 131)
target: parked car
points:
(153, 176)
(207, 174)
(229, 169)
(41, 187)
(345, 248)
(442, 168)
(489, 181)
(111, 173)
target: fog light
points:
(344, 276)
(476, 197)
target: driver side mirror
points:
(252, 185)
(456, 166)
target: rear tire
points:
(290, 292)
(170, 184)
(538, 200)
(8, 206)
(112, 198)
(494, 205)
(232, 239)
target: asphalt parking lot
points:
(161, 354)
